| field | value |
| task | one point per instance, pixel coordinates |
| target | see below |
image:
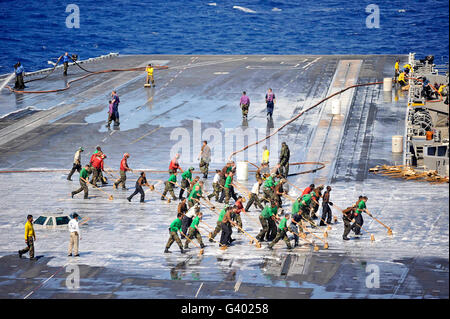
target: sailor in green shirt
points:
(296, 206)
(269, 184)
(306, 200)
(200, 187)
(191, 185)
(186, 179)
(219, 224)
(193, 231)
(229, 189)
(281, 234)
(84, 177)
(84, 172)
(266, 215)
(228, 180)
(272, 222)
(269, 181)
(174, 228)
(305, 208)
(225, 172)
(227, 186)
(195, 194)
(170, 184)
(361, 207)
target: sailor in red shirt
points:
(92, 158)
(97, 164)
(98, 150)
(174, 166)
(308, 190)
(239, 207)
(123, 169)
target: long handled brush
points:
(191, 241)
(325, 234)
(316, 248)
(109, 171)
(325, 244)
(253, 240)
(210, 229)
(245, 190)
(210, 205)
(84, 221)
(372, 236)
(187, 191)
(389, 230)
(209, 226)
(242, 188)
(110, 197)
(294, 186)
(207, 236)
(152, 188)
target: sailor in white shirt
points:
(187, 218)
(76, 163)
(254, 199)
(217, 176)
(74, 230)
(216, 186)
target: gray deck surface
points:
(122, 245)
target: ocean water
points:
(35, 31)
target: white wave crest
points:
(244, 9)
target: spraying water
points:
(6, 81)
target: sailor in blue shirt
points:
(18, 69)
(65, 60)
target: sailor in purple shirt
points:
(113, 112)
(270, 100)
(111, 108)
(244, 104)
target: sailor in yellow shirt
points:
(266, 153)
(396, 69)
(30, 237)
(408, 68)
(402, 79)
(149, 70)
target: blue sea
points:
(35, 31)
